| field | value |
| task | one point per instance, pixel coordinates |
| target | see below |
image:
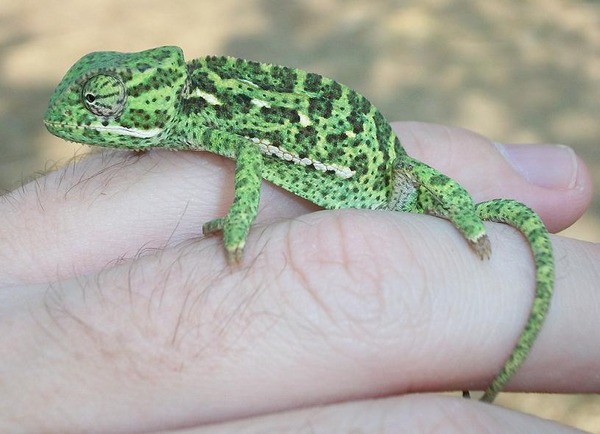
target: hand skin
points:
(117, 316)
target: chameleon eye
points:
(104, 95)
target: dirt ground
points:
(515, 71)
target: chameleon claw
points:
(234, 254)
(213, 226)
(482, 247)
(233, 250)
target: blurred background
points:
(514, 71)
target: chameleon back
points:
(320, 139)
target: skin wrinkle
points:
(291, 263)
(360, 323)
(72, 323)
(293, 300)
(345, 248)
(295, 234)
(194, 310)
(56, 311)
(337, 314)
(185, 287)
(223, 317)
(369, 289)
(453, 415)
(127, 341)
(418, 279)
(193, 320)
(183, 333)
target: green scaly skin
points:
(306, 133)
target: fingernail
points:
(550, 166)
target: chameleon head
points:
(116, 99)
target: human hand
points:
(116, 315)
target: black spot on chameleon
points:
(306, 134)
(200, 79)
(360, 159)
(336, 138)
(249, 70)
(339, 152)
(384, 133)
(142, 67)
(294, 117)
(276, 115)
(331, 90)
(357, 124)
(438, 180)
(320, 108)
(243, 101)
(312, 82)
(92, 133)
(139, 89)
(192, 105)
(285, 79)
(125, 75)
(224, 111)
(360, 104)
(160, 79)
(218, 61)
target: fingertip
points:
(548, 166)
(565, 184)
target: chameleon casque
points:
(306, 133)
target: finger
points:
(414, 414)
(544, 177)
(113, 205)
(124, 203)
(330, 307)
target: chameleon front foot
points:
(234, 238)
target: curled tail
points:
(531, 226)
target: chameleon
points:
(304, 132)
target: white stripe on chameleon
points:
(260, 103)
(142, 134)
(243, 80)
(267, 148)
(304, 120)
(208, 97)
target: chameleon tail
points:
(527, 221)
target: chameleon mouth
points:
(131, 132)
(109, 129)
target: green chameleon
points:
(306, 133)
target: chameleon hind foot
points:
(482, 247)
(234, 245)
